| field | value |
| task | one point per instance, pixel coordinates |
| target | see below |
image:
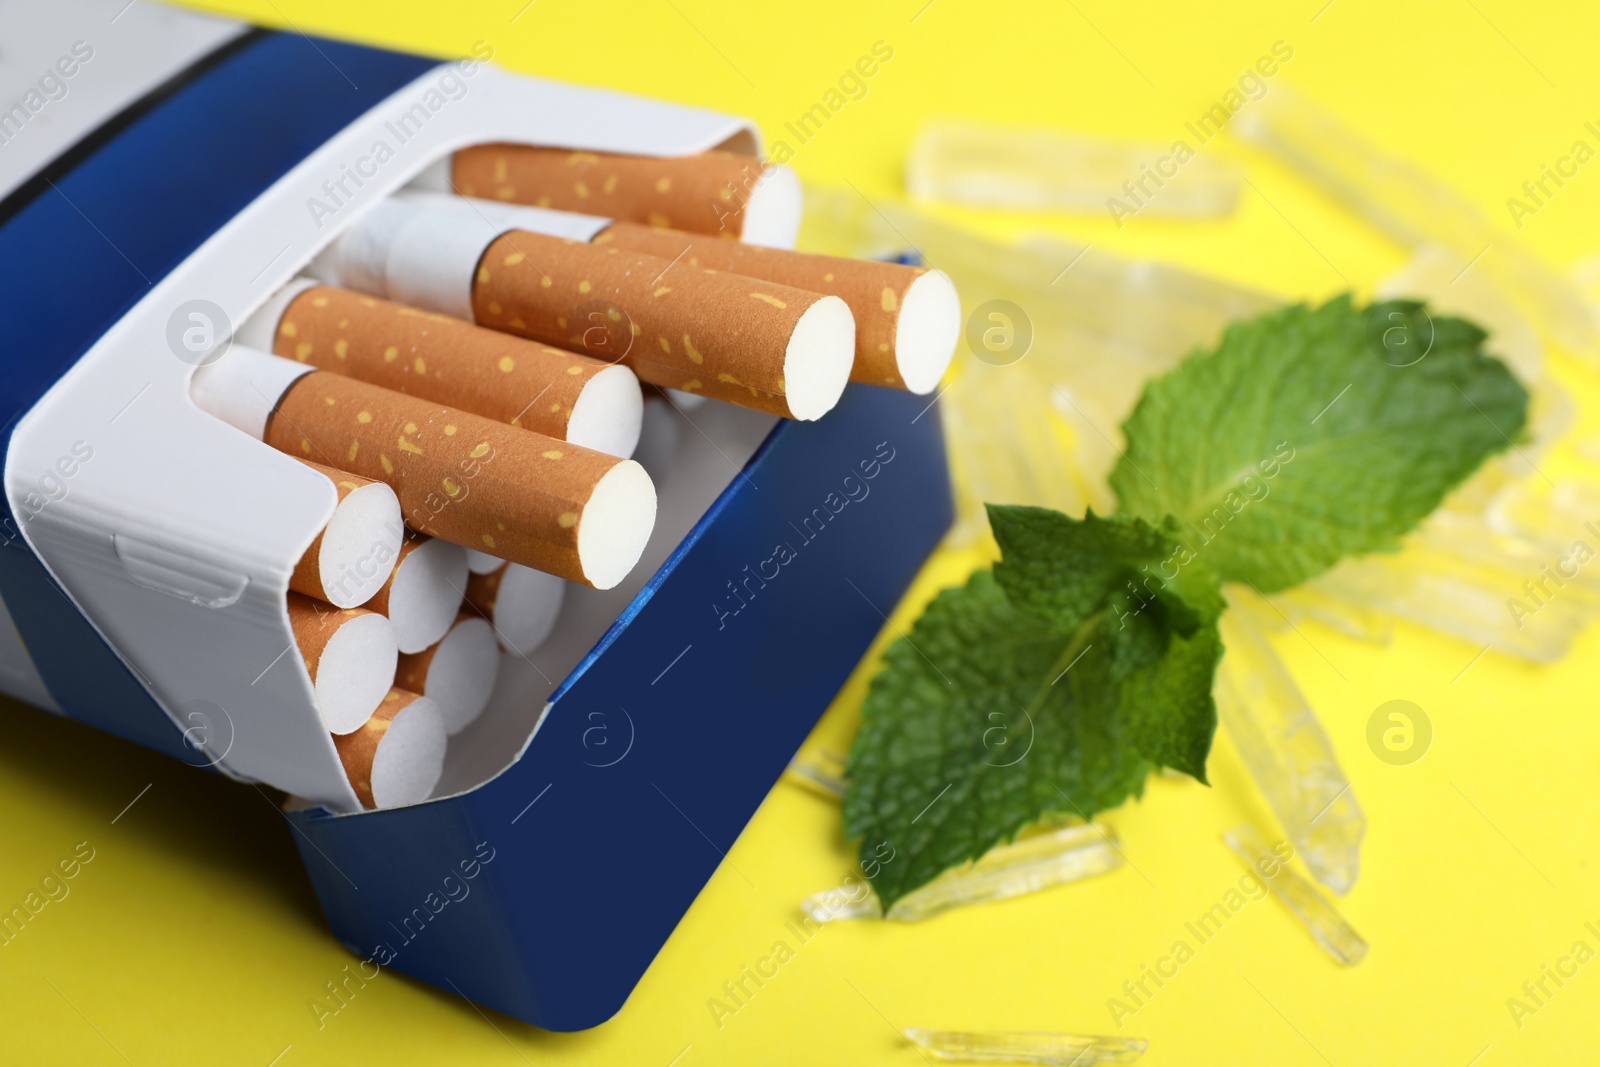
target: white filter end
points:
(482, 562)
(359, 545)
(616, 524)
(526, 607)
(355, 671)
(926, 334)
(772, 214)
(606, 415)
(822, 350)
(462, 674)
(427, 594)
(410, 758)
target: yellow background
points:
(193, 936)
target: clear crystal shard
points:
(820, 769)
(1325, 924)
(1287, 751)
(1417, 210)
(1042, 425)
(1497, 566)
(1001, 1046)
(1353, 619)
(1038, 860)
(979, 164)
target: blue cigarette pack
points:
(161, 162)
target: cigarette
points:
(520, 603)
(352, 556)
(350, 654)
(528, 498)
(590, 402)
(424, 591)
(760, 344)
(457, 673)
(908, 319)
(398, 756)
(773, 347)
(717, 193)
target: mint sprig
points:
(1323, 415)
(1055, 684)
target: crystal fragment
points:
(1039, 860)
(1325, 924)
(1498, 565)
(821, 769)
(1415, 209)
(1061, 1050)
(1040, 426)
(979, 164)
(1287, 751)
(1355, 620)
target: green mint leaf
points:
(985, 718)
(1158, 609)
(1069, 568)
(1167, 710)
(1050, 686)
(1312, 434)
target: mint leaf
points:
(1051, 686)
(1070, 568)
(1055, 684)
(1158, 610)
(975, 728)
(1298, 441)
(1167, 710)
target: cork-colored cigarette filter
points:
(520, 603)
(457, 672)
(423, 593)
(908, 319)
(398, 756)
(532, 499)
(350, 654)
(717, 193)
(761, 344)
(590, 402)
(349, 560)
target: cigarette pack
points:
(163, 175)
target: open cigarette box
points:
(191, 167)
